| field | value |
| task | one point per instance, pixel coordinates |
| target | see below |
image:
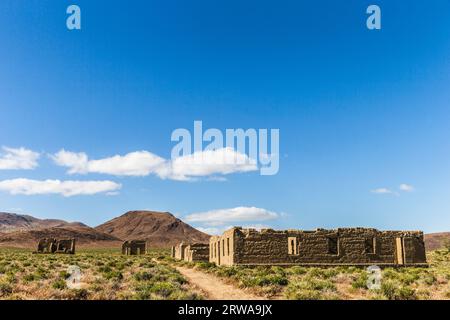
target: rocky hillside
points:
(435, 241)
(11, 222)
(25, 231)
(162, 229)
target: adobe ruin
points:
(194, 252)
(134, 247)
(178, 251)
(342, 246)
(52, 245)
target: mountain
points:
(11, 222)
(162, 229)
(25, 231)
(85, 237)
(435, 241)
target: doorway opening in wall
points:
(218, 251)
(223, 247)
(370, 246)
(333, 245)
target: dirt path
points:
(213, 287)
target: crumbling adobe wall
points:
(222, 248)
(344, 246)
(46, 245)
(196, 252)
(51, 245)
(65, 246)
(134, 247)
(179, 251)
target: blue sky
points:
(358, 110)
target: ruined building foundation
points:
(343, 246)
(51, 245)
(193, 252)
(134, 247)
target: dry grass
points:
(109, 275)
(106, 274)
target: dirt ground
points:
(213, 287)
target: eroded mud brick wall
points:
(46, 245)
(222, 249)
(196, 252)
(65, 246)
(179, 251)
(134, 247)
(345, 246)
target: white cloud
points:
(65, 188)
(211, 230)
(406, 187)
(382, 191)
(211, 162)
(220, 230)
(143, 163)
(221, 217)
(139, 163)
(18, 159)
(403, 187)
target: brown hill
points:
(84, 235)
(25, 231)
(162, 229)
(11, 222)
(435, 241)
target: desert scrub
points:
(226, 271)
(5, 289)
(250, 280)
(360, 281)
(297, 270)
(59, 284)
(206, 266)
(161, 282)
(143, 276)
(324, 273)
(309, 288)
(106, 274)
(113, 275)
(394, 290)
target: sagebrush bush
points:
(5, 289)
(59, 284)
(394, 290)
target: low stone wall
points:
(196, 252)
(343, 246)
(179, 250)
(134, 247)
(51, 245)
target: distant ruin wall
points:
(193, 252)
(134, 247)
(196, 252)
(179, 251)
(51, 245)
(344, 246)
